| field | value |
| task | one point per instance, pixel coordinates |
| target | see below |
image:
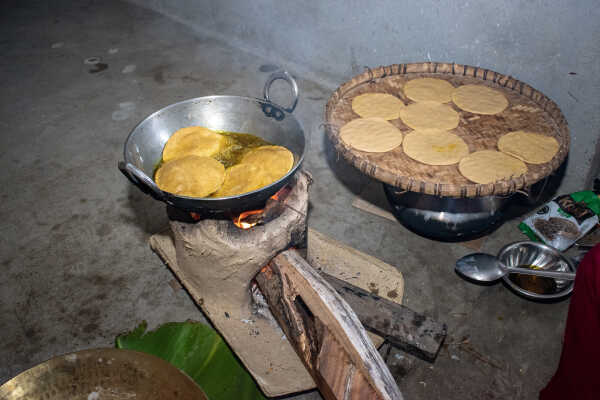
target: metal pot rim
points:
(203, 98)
(269, 109)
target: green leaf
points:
(201, 353)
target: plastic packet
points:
(562, 221)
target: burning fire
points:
(279, 194)
(196, 216)
(240, 222)
(251, 218)
(245, 219)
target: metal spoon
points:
(487, 268)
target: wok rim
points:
(215, 200)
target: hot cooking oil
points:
(238, 144)
(532, 283)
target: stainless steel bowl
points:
(542, 256)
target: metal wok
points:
(260, 117)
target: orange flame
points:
(195, 216)
(239, 220)
(276, 195)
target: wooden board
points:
(528, 109)
(325, 332)
(360, 269)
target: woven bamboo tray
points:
(528, 109)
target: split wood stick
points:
(406, 329)
(325, 332)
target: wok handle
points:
(284, 75)
(141, 180)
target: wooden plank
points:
(348, 264)
(406, 329)
(325, 332)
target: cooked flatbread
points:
(276, 161)
(193, 140)
(533, 148)
(488, 166)
(429, 89)
(242, 178)
(192, 176)
(429, 115)
(374, 135)
(479, 99)
(435, 147)
(377, 105)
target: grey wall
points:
(554, 45)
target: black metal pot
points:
(448, 219)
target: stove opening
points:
(273, 207)
(248, 219)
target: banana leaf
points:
(201, 353)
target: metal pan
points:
(260, 117)
(102, 374)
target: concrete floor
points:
(77, 270)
